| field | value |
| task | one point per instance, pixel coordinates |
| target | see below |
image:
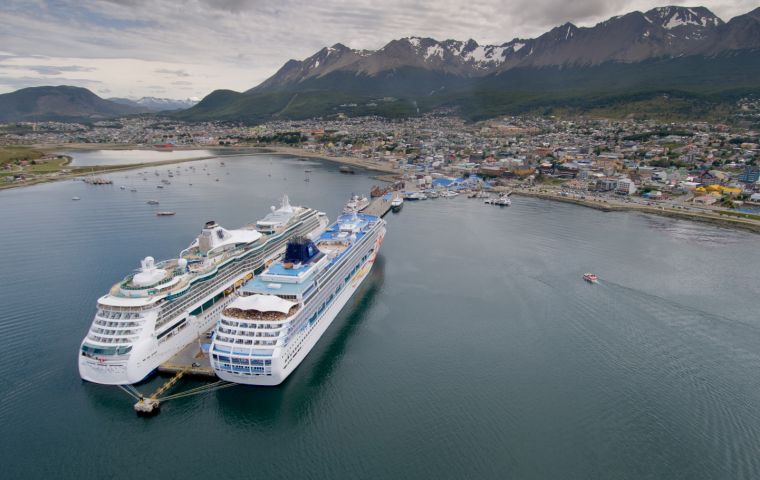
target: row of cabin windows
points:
(103, 331)
(241, 361)
(242, 341)
(329, 300)
(103, 323)
(266, 326)
(118, 315)
(248, 334)
(322, 307)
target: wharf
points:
(192, 360)
(378, 206)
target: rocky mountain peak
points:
(672, 17)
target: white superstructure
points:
(264, 334)
(151, 315)
(356, 204)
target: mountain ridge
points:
(636, 36)
(155, 104)
(60, 102)
(665, 49)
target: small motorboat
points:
(415, 196)
(165, 214)
(502, 200)
(152, 202)
(346, 169)
(590, 278)
(75, 198)
(356, 204)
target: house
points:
(606, 184)
(751, 174)
(625, 186)
(712, 177)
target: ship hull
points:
(280, 372)
(148, 354)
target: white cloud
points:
(130, 44)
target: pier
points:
(378, 206)
(192, 360)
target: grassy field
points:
(14, 154)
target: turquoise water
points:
(473, 350)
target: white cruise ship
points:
(151, 315)
(264, 334)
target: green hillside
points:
(693, 87)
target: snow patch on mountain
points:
(433, 51)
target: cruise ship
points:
(278, 317)
(151, 315)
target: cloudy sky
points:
(187, 48)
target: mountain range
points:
(682, 61)
(63, 103)
(66, 103)
(688, 53)
(155, 104)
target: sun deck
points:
(295, 280)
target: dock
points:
(192, 360)
(379, 206)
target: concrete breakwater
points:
(716, 218)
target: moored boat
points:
(151, 315)
(356, 204)
(264, 334)
(502, 200)
(414, 196)
(397, 203)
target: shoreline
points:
(356, 162)
(105, 169)
(84, 170)
(717, 219)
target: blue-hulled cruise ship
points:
(264, 334)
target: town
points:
(689, 166)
